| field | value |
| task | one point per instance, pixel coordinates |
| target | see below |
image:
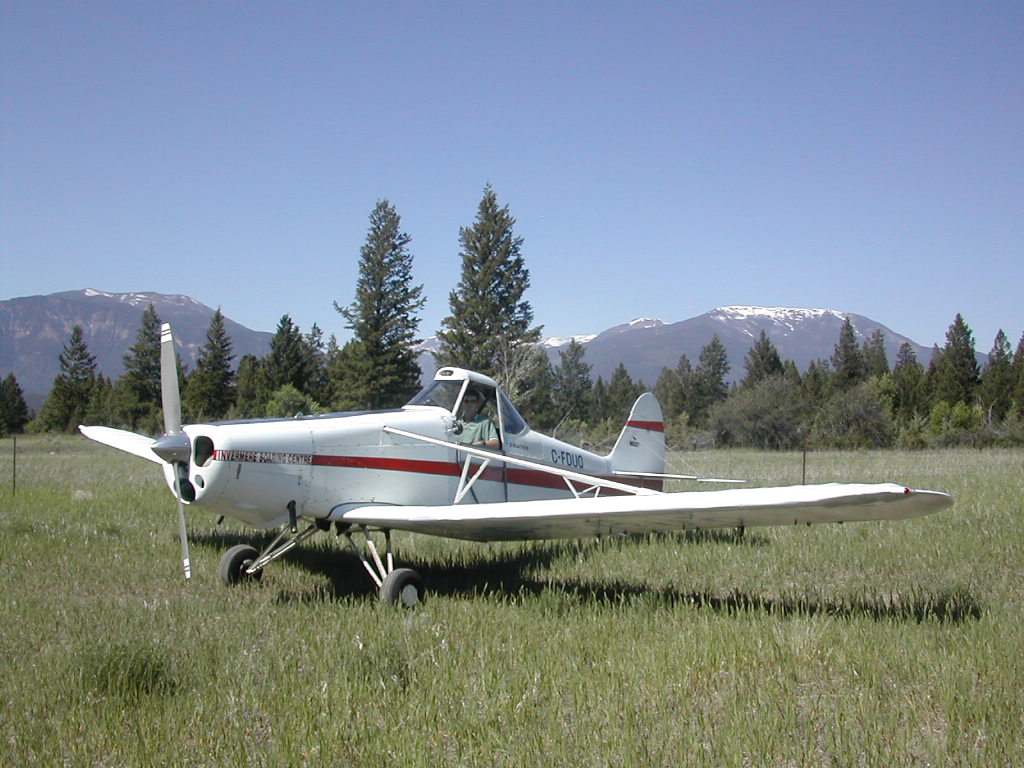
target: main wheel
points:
(403, 586)
(235, 561)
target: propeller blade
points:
(173, 446)
(182, 531)
(169, 382)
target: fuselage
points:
(252, 471)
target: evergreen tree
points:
(315, 363)
(14, 413)
(909, 397)
(381, 369)
(1018, 377)
(622, 393)
(102, 403)
(534, 399)
(252, 394)
(572, 384)
(848, 360)
(599, 411)
(762, 361)
(816, 383)
(997, 380)
(709, 387)
(137, 396)
(72, 388)
(668, 390)
(287, 361)
(876, 362)
(954, 375)
(488, 329)
(210, 391)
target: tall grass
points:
(863, 644)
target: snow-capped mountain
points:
(34, 329)
(645, 346)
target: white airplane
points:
(371, 473)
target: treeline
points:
(852, 400)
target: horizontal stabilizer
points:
(130, 442)
(610, 515)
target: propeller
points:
(173, 446)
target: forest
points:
(854, 399)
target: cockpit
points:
(449, 391)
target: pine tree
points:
(622, 393)
(381, 369)
(848, 360)
(210, 391)
(252, 394)
(762, 361)
(286, 363)
(72, 388)
(315, 363)
(669, 388)
(909, 397)
(997, 380)
(709, 387)
(816, 383)
(14, 413)
(488, 329)
(1018, 377)
(876, 361)
(572, 384)
(536, 385)
(137, 392)
(954, 374)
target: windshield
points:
(442, 394)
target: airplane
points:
(369, 473)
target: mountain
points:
(645, 346)
(34, 329)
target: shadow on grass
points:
(503, 575)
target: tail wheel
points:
(235, 562)
(404, 587)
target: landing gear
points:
(235, 563)
(396, 586)
(403, 586)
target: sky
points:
(660, 158)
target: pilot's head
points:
(472, 402)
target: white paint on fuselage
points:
(322, 463)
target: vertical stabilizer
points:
(641, 445)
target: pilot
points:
(477, 428)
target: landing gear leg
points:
(396, 586)
(242, 562)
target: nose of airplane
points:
(204, 469)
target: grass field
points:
(890, 644)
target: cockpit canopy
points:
(449, 387)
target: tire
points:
(235, 561)
(404, 587)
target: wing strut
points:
(589, 481)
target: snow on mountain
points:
(556, 342)
(753, 319)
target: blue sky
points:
(661, 159)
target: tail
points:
(641, 444)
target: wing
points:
(574, 518)
(130, 442)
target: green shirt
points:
(479, 430)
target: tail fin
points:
(641, 444)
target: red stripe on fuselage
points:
(515, 475)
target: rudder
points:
(641, 444)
